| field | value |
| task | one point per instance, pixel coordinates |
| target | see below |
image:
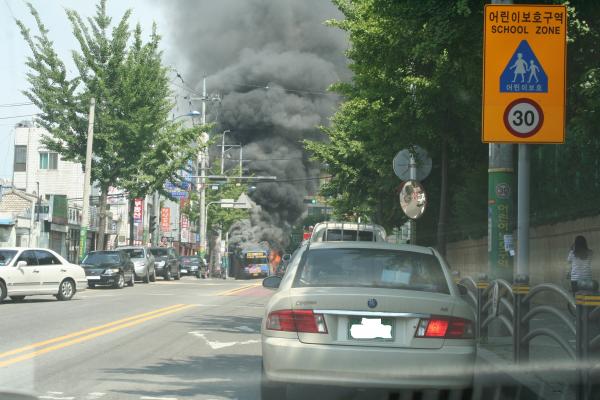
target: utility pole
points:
(223, 152)
(85, 218)
(500, 204)
(412, 224)
(202, 186)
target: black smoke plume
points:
(271, 61)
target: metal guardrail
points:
(514, 307)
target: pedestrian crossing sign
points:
(524, 73)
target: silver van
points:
(143, 262)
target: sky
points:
(14, 52)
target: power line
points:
(20, 116)
(16, 104)
(312, 178)
(9, 9)
(266, 87)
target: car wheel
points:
(147, 277)
(153, 276)
(17, 298)
(66, 290)
(2, 291)
(168, 274)
(120, 283)
(132, 280)
(178, 275)
(91, 285)
(270, 390)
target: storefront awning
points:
(7, 221)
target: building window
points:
(48, 160)
(20, 158)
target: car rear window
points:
(159, 252)
(335, 235)
(134, 253)
(376, 268)
(101, 258)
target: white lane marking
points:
(221, 345)
(157, 398)
(94, 395)
(49, 392)
(245, 328)
(211, 380)
(56, 398)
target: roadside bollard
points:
(481, 331)
(520, 290)
(587, 299)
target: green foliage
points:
(223, 217)
(136, 146)
(417, 80)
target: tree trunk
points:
(441, 228)
(102, 218)
(131, 206)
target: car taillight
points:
(445, 328)
(305, 321)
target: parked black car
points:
(193, 265)
(110, 267)
(166, 262)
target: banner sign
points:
(165, 219)
(138, 210)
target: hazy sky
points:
(14, 51)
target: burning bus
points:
(254, 261)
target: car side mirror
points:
(286, 257)
(272, 282)
(462, 289)
(21, 264)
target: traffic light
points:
(152, 227)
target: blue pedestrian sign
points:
(523, 73)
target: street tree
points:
(137, 147)
(416, 81)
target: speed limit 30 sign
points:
(523, 118)
(524, 72)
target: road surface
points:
(165, 340)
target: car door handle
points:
(36, 271)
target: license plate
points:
(93, 278)
(362, 328)
(184, 271)
(255, 274)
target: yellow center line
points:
(236, 290)
(90, 336)
(85, 331)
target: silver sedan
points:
(366, 315)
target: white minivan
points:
(28, 272)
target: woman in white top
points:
(580, 261)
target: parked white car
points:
(28, 272)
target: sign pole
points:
(85, 217)
(500, 204)
(523, 210)
(413, 177)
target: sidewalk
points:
(543, 375)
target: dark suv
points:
(166, 262)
